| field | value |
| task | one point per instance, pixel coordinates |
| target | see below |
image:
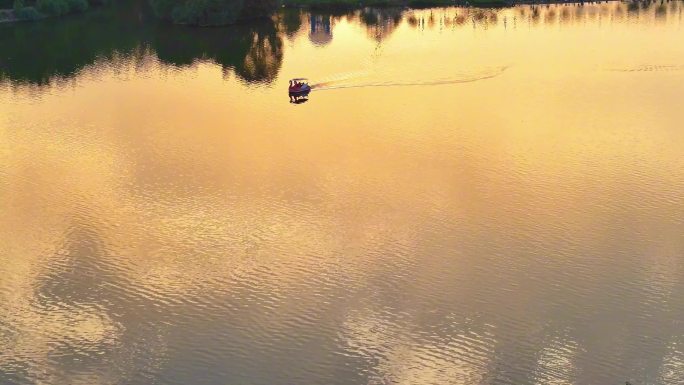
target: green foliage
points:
(258, 8)
(198, 12)
(18, 5)
(324, 4)
(28, 13)
(4, 4)
(490, 3)
(77, 5)
(53, 7)
(61, 7)
(206, 12)
(427, 3)
(163, 8)
(211, 12)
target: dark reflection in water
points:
(380, 22)
(38, 52)
(290, 20)
(321, 29)
(299, 99)
(35, 53)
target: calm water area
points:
(467, 196)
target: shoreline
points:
(9, 15)
(332, 5)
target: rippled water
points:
(467, 197)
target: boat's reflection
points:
(299, 98)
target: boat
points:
(299, 86)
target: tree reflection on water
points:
(43, 52)
(51, 51)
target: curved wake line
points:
(325, 87)
(649, 68)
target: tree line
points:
(191, 12)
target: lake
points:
(467, 196)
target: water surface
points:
(467, 197)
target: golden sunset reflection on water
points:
(467, 197)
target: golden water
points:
(467, 197)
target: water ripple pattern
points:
(495, 198)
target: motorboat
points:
(299, 86)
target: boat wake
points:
(649, 68)
(465, 78)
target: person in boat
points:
(299, 86)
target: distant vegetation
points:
(224, 12)
(38, 9)
(212, 12)
(346, 4)
(221, 12)
(192, 12)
